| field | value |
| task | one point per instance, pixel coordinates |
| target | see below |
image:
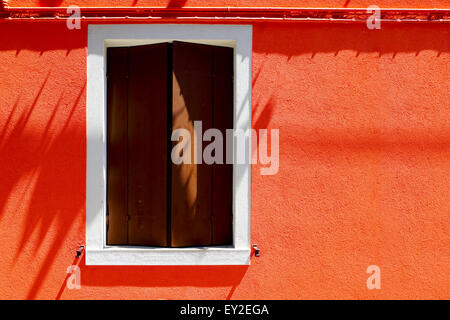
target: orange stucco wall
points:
(363, 180)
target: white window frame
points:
(100, 37)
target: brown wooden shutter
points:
(191, 183)
(201, 202)
(137, 145)
(117, 59)
(147, 144)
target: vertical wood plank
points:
(191, 183)
(147, 145)
(222, 120)
(117, 146)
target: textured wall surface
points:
(364, 168)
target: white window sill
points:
(168, 256)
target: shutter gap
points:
(212, 126)
(127, 84)
(169, 144)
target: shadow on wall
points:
(309, 39)
(164, 276)
(50, 3)
(292, 39)
(48, 168)
(176, 3)
(170, 4)
(158, 276)
(42, 146)
(40, 142)
(42, 150)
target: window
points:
(153, 90)
(121, 179)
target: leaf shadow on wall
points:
(48, 170)
(42, 150)
(41, 147)
(57, 197)
(293, 39)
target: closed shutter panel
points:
(147, 144)
(117, 59)
(137, 145)
(191, 183)
(201, 193)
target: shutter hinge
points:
(79, 251)
(257, 250)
